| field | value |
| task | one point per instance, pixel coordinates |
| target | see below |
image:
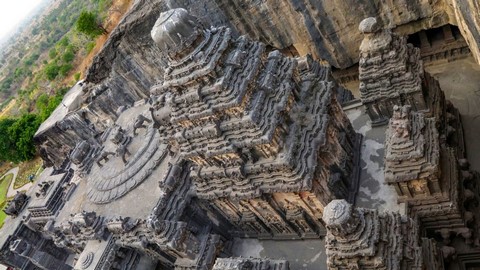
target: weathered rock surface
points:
(359, 238)
(326, 29)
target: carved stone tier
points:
(113, 180)
(50, 196)
(427, 175)
(30, 250)
(250, 264)
(359, 238)
(390, 73)
(107, 255)
(412, 160)
(81, 116)
(267, 140)
(83, 156)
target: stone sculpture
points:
(425, 172)
(245, 125)
(359, 238)
(50, 196)
(104, 156)
(225, 137)
(16, 205)
(390, 72)
(83, 156)
(250, 264)
(257, 145)
(140, 123)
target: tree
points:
(16, 137)
(51, 71)
(47, 104)
(7, 146)
(88, 25)
(52, 53)
(21, 132)
(64, 41)
(68, 56)
(64, 69)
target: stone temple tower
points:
(427, 175)
(390, 72)
(360, 238)
(267, 142)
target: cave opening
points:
(444, 44)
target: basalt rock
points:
(390, 72)
(183, 137)
(130, 62)
(15, 206)
(250, 264)
(426, 174)
(233, 141)
(359, 238)
(319, 28)
(255, 128)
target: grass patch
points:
(3, 216)
(4, 184)
(26, 169)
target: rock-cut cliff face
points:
(466, 14)
(327, 29)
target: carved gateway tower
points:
(268, 142)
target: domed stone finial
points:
(337, 213)
(369, 25)
(340, 217)
(175, 30)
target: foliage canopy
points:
(88, 25)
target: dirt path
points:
(11, 191)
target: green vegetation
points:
(76, 76)
(49, 55)
(16, 134)
(51, 71)
(35, 72)
(89, 47)
(4, 184)
(87, 24)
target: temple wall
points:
(278, 216)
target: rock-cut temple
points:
(222, 137)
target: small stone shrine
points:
(250, 264)
(15, 206)
(437, 186)
(27, 249)
(391, 73)
(359, 238)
